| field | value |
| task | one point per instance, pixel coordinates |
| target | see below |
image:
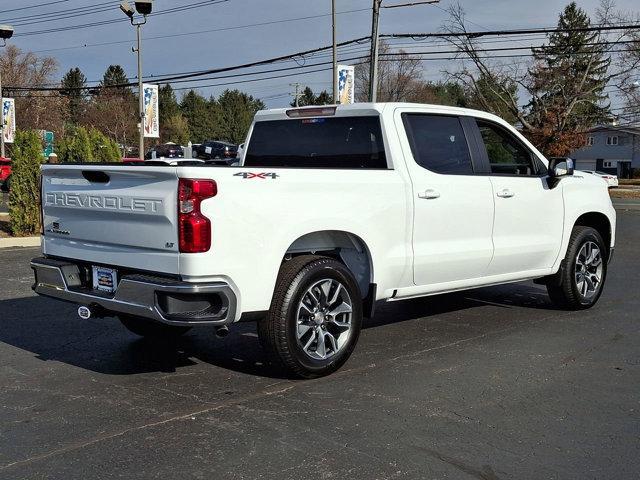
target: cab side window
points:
(438, 143)
(507, 155)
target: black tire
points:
(144, 327)
(566, 293)
(6, 187)
(278, 331)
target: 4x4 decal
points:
(263, 176)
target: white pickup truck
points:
(331, 209)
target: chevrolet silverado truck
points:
(330, 210)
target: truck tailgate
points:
(112, 214)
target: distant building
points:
(610, 149)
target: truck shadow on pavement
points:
(52, 332)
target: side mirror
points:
(561, 167)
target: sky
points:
(171, 43)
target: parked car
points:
(221, 153)
(612, 180)
(5, 174)
(168, 150)
(333, 209)
(130, 160)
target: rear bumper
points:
(158, 298)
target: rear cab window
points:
(318, 142)
(438, 143)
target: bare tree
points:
(565, 81)
(491, 82)
(36, 110)
(399, 76)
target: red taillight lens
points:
(194, 229)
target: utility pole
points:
(297, 93)
(335, 53)
(375, 42)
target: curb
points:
(19, 242)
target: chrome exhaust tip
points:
(222, 332)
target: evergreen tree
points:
(75, 147)
(74, 80)
(237, 110)
(324, 98)
(309, 98)
(173, 125)
(24, 203)
(115, 75)
(103, 149)
(169, 105)
(200, 115)
(176, 130)
(567, 84)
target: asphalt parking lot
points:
(488, 384)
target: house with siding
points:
(610, 149)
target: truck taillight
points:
(194, 229)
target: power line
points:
(200, 32)
(46, 4)
(290, 57)
(183, 8)
(61, 14)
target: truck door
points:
(527, 232)
(453, 207)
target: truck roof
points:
(358, 109)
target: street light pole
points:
(140, 87)
(375, 42)
(6, 32)
(2, 152)
(335, 52)
(144, 8)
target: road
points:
(489, 384)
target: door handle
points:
(429, 194)
(506, 193)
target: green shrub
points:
(24, 198)
(75, 146)
(87, 145)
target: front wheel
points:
(151, 329)
(583, 277)
(315, 317)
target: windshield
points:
(337, 142)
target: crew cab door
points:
(529, 214)
(453, 207)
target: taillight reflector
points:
(194, 229)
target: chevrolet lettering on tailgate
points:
(100, 202)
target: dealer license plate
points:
(105, 279)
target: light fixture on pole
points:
(6, 32)
(144, 8)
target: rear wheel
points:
(151, 329)
(315, 317)
(583, 277)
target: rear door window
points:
(438, 143)
(336, 142)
